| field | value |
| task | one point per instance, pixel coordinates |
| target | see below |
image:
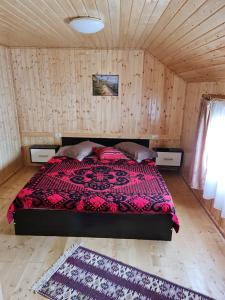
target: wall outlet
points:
(57, 135)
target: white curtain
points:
(214, 183)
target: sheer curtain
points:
(214, 184)
(208, 168)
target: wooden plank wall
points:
(162, 104)
(191, 113)
(54, 95)
(10, 147)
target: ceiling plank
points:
(102, 7)
(146, 15)
(203, 21)
(136, 11)
(171, 10)
(114, 13)
(205, 74)
(183, 15)
(124, 21)
(192, 47)
(209, 53)
(151, 21)
(201, 63)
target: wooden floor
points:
(195, 258)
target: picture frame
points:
(105, 85)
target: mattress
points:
(94, 186)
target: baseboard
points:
(12, 173)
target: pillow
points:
(137, 152)
(109, 153)
(78, 151)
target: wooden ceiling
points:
(187, 35)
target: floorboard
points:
(195, 258)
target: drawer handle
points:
(42, 155)
(168, 158)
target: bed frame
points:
(107, 225)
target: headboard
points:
(104, 141)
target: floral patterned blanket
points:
(121, 186)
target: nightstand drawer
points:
(41, 155)
(169, 159)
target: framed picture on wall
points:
(105, 85)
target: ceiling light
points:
(86, 24)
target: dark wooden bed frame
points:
(107, 225)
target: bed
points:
(127, 200)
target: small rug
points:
(84, 274)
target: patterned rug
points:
(84, 274)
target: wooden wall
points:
(54, 95)
(10, 147)
(189, 131)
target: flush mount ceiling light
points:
(86, 24)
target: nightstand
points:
(42, 153)
(169, 158)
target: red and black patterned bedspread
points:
(122, 186)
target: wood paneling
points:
(186, 35)
(44, 23)
(162, 100)
(194, 92)
(192, 37)
(10, 149)
(54, 95)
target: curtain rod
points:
(212, 96)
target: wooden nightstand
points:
(169, 158)
(42, 153)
